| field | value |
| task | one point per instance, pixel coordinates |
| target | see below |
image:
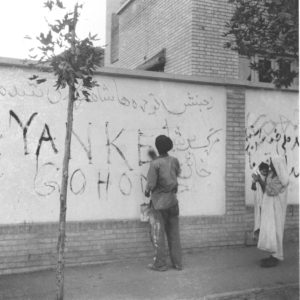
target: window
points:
(284, 66)
(158, 68)
(155, 63)
(264, 72)
(114, 40)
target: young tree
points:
(73, 67)
(268, 28)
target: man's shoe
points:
(178, 267)
(159, 269)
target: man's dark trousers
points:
(166, 222)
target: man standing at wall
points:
(162, 184)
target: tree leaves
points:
(50, 4)
(59, 4)
(66, 23)
(71, 66)
(33, 56)
(78, 60)
(33, 77)
(37, 79)
(46, 40)
(265, 27)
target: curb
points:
(287, 291)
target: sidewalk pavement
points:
(222, 273)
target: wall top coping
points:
(156, 76)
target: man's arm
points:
(178, 169)
(151, 179)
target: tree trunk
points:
(65, 174)
(63, 198)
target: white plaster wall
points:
(103, 184)
(272, 119)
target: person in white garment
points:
(273, 212)
(258, 187)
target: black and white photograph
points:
(149, 149)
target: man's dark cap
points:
(163, 144)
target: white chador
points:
(273, 209)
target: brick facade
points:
(208, 54)
(30, 247)
(190, 30)
(146, 27)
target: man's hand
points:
(255, 177)
(151, 153)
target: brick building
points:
(180, 37)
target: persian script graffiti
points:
(265, 136)
(150, 103)
(194, 151)
(32, 91)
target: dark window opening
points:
(264, 70)
(114, 40)
(155, 63)
(284, 66)
(159, 68)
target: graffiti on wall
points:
(266, 136)
(193, 153)
(272, 119)
(110, 140)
